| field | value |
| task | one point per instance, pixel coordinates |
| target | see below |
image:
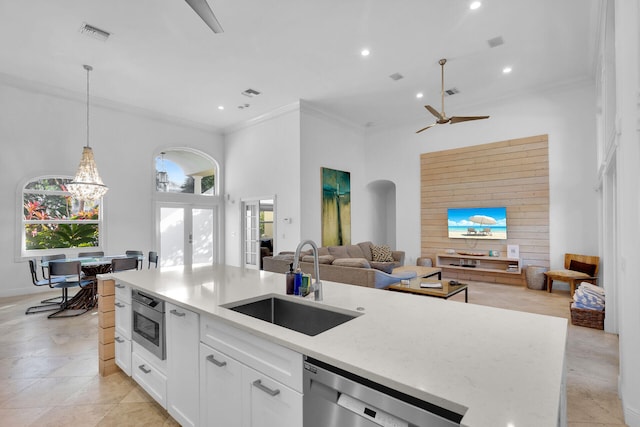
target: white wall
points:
(328, 142)
(263, 160)
(627, 59)
(43, 131)
(566, 115)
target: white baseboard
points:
(631, 416)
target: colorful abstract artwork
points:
(336, 207)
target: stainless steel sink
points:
(305, 318)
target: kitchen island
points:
(495, 367)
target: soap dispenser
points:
(289, 279)
(297, 281)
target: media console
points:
(484, 263)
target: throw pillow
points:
(351, 262)
(387, 267)
(381, 253)
(582, 267)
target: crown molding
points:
(58, 92)
(280, 111)
(307, 107)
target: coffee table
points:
(446, 292)
(419, 270)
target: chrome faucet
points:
(317, 286)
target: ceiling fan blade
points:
(430, 126)
(434, 112)
(201, 7)
(459, 119)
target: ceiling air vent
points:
(451, 91)
(396, 76)
(251, 93)
(495, 42)
(94, 32)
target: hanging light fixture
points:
(162, 177)
(87, 185)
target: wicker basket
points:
(589, 318)
(535, 277)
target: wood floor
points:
(48, 367)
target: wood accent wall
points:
(512, 173)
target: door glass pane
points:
(202, 236)
(251, 234)
(172, 236)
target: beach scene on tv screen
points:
(477, 223)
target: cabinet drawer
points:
(280, 363)
(123, 318)
(271, 403)
(123, 353)
(123, 292)
(150, 379)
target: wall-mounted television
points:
(477, 223)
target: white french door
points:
(187, 235)
(251, 234)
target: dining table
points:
(87, 297)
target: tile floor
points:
(48, 367)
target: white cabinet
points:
(123, 327)
(220, 389)
(150, 376)
(182, 365)
(247, 375)
(270, 403)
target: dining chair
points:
(71, 273)
(49, 304)
(94, 254)
(50, 258)
(124, 263)
(137, 254)
(153, 258)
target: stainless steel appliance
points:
(336, 398)
(148, 325)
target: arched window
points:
(180, 170)
(53, 219)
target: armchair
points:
(577, 268)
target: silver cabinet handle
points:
(120, 286)
(118, 339)
(143, 369)
(270, 392)
(177, 313)
(213, 360)
(118, 304)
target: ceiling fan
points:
(441, 116)
(201, 7)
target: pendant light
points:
(162, 176)
(87, 185)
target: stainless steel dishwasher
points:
(336, 398)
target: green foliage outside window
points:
(53, 219)
(206, 184)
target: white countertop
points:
(504, 368)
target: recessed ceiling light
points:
(220, 107)
(506, 70)
(474, 5)
(419, 95)
(365, 52)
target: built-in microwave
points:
(148, 324)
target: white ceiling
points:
(162, 57)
